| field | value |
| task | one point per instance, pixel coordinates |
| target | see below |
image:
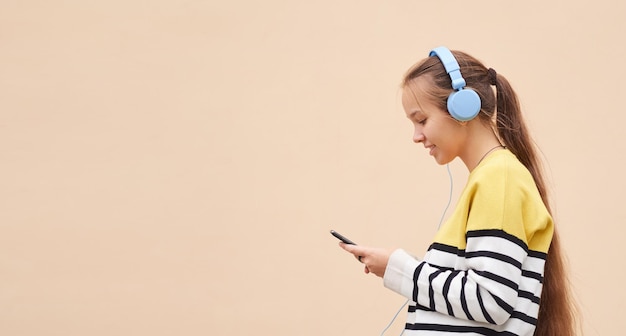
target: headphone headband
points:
(451, 65)
(464, 104)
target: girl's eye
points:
(421, 121)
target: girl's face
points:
(441, 134)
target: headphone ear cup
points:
(464, 105)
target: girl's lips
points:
(432, 148)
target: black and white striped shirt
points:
(483, 273)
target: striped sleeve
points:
(486, 291)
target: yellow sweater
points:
(483, 273)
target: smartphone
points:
(342, 238)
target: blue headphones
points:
(463, 104)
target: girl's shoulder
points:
(500, 163)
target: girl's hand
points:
(375, 259)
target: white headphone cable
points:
(438, 227)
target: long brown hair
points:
(556, 309)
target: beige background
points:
(174, 167)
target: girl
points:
(495, 266)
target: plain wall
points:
(174, 167)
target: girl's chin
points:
(442, 160)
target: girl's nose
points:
(418, 136)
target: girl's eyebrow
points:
(412, 114)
